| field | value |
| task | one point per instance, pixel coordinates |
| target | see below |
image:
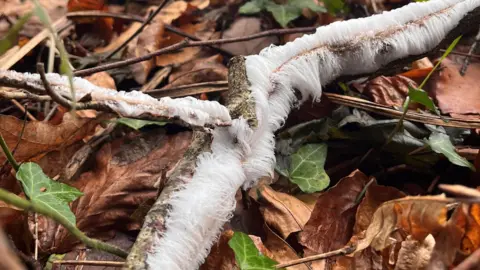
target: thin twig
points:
(139, 30)
(342, 251)
(189, 89)
(55, 96)
(134, 18)
(473, 48)
(20, 106)
(51, 113)
(463, 54)
(471, 262)
(92, 263)
(187, 44)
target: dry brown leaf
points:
(389, 91)
(221, 256)
(245, 26)
(200, 4)
(14, 9)
(331, 223)
(374, 197)
(415, 254)
(122, 179)
(203, 30)
(456, 94)
(122, 38)
(448, 241)
(471, 238)
(417, 216)
(281, 251)
(172, 11)
(40, 138)
(146, 42)
(199, 70)
(102, 79)
(10, 260)
(281, 211)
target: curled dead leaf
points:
(281, 211)
(415, 254)
(389, 91)
(331, 222)
(417, 216)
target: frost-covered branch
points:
(270, 84)
(134, 104)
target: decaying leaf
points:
(221, 256)
(149, 40)
(281, 250)
(199, 70)
(417, 216)
(245, 26)
(281, 211)
(456, 94)
(374, 197)
(202, 30)
(331, 223)
(415, 254)
(40, 138)
(122, 178)
(389, 91)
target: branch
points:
(187, 111)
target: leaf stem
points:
(8, 154)
(26, 205)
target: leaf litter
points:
(341, 180)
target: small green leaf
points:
(247, 255)
(137, 123)
(40, 189)
(307, 4)
(252, 7)
(306, 169)
(10, 38)
(283, 14)
(420, 96)
(440, 143)
(335, 6)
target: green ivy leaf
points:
(137, 123)
(420, 96)
(307, 4)
(307, 168)
(10, 39)
(247, 255)
(440, 143)
(283, 14)
(252, 7)
(40, 189)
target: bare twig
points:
(55, 96)
(342, 251)
(463, 54)
(170, 28)
(186, 44)
(139, 30)
(92, 263)
(472, 50)
(471, 262)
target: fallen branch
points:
(134, 104)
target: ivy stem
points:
(8, 154)
(27, 205)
